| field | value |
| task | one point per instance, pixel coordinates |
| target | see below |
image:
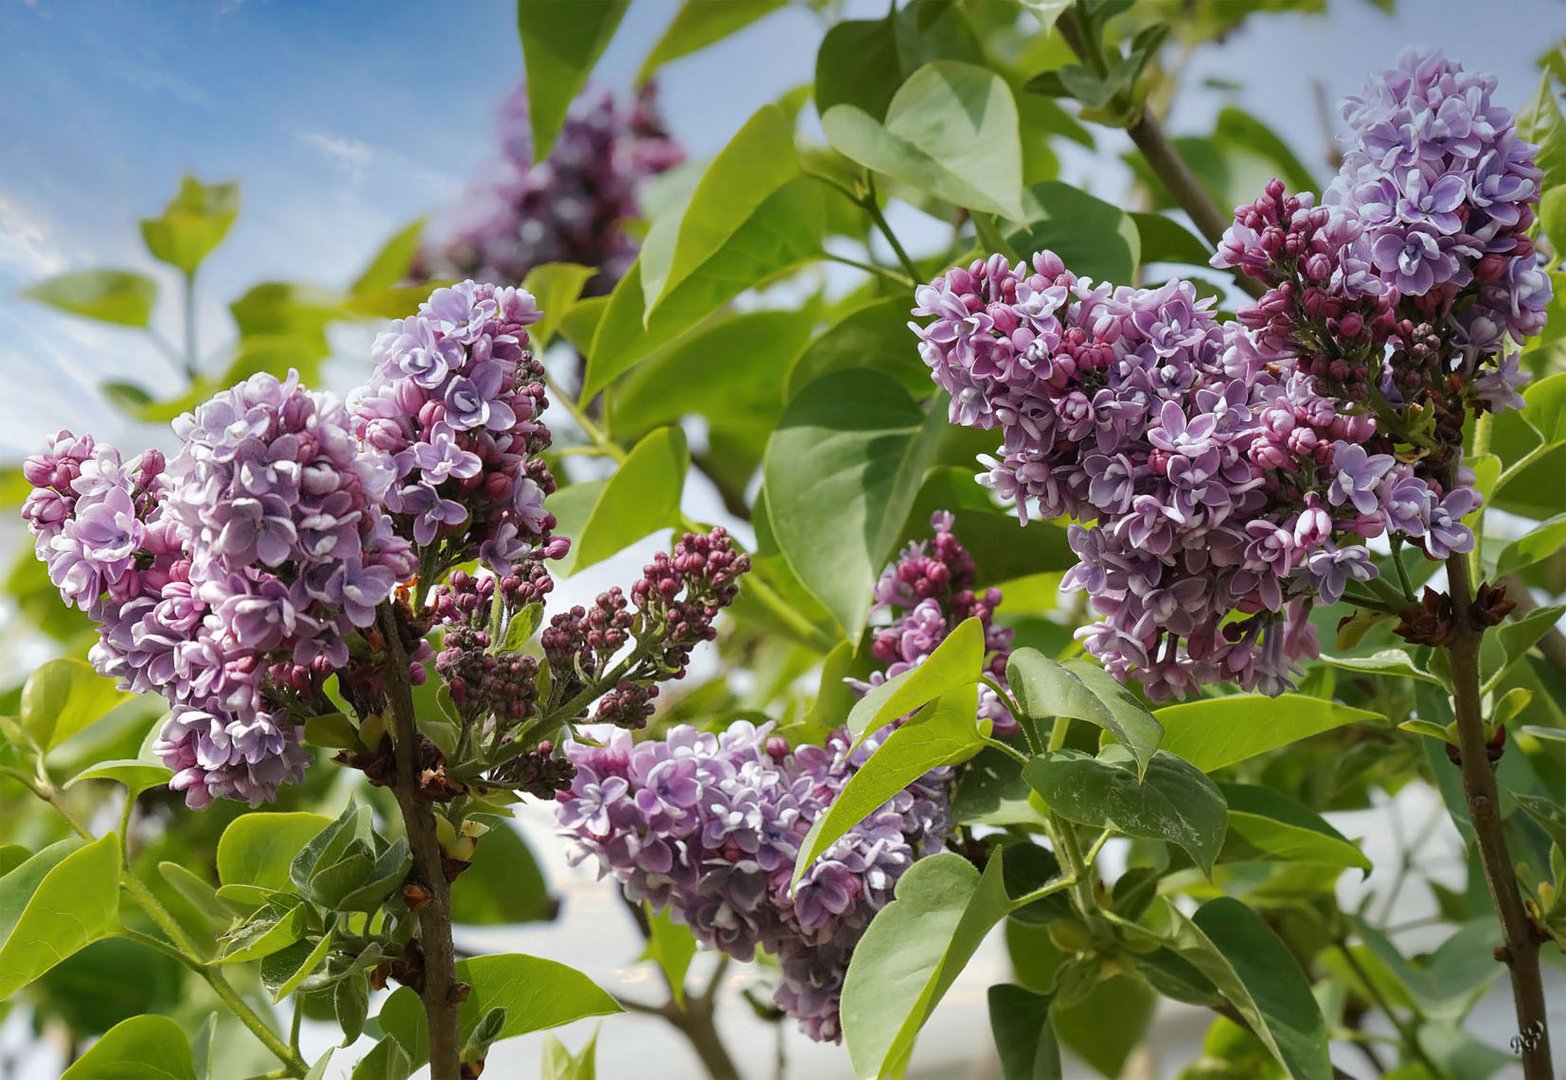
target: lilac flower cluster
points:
(241, 567)
(1217, 481)
(572, 207)
(1442, 187)
(455, 403)
(1423, 231)
(671, 610)
(709, 827)
(920, 599)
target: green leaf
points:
(784, 231)
(275, 926)
(64, 696)
(1544, 540)
(671, 946)
(1095, 238)
(1024, 1039)
(387, 1060)
(1082, 690)
(1446, 981)
(1047, 12)
(641, 497)
(141, 1048)
(950, 130)
(911, 953)
(560, 1064)
(1106, 1046)
(873, 335)
(700, 23)
(284, 970)
(1243, 129)
(63, 898)
(697, 376)
(1173, 801)
(956, 662)
(560, 45)
(257, 848)
(1223, 731)
(1517, 636)
(1392, 663)
(991, 791)
(193, 223)
(391, 265)
(197, 892)
(842, 470)
(1165, 240)
(1550, 816)
(862, 62)
(137, 776)
(1285, 829)
(1256, 972)
(1540, 122)
(121, 297)
(756, 162)
(503, 885)
(557, 287)
(944, 732)
(536, 993)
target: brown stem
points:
(695, 1019)
(442, 994)
(1162, 157)
(1521, 952)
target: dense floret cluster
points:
(246, 563)
(572, 207)
(1238, 470)
(456, 403)
(920, 599)
(709, 827)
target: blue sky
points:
(344, 120)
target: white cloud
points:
(147, 77)
(352, 155)
(29, 243)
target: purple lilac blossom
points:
(246, 561)
(1206, 461)
(920, 599)
(572, 207)
(709, 827)
(455, 403)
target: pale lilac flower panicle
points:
(1223, 470)
(920, 599)
(456, 403)
(573, 207)
(709, 827)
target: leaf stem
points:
(599, 437)
(1007, 749)
(873, 208)
(1408, 1033)
(870, 268)
(192, 363)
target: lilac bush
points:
(572, 207)
(708, 826)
